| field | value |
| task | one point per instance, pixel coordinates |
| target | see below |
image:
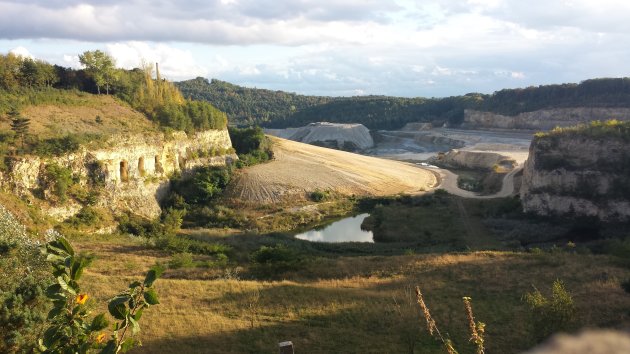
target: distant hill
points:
(280, 109)
(247, 106)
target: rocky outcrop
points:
(578, 175)
(130, 173)
(339, 136)
(416, 126)
(474, 160)
(545, 119)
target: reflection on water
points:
(344, 230)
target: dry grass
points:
(77, 113)
(350, 307)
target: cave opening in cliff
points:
(141, 166)
(124, 171)
(158, 165)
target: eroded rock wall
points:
(543, 119)
(578, 176)
(131, 171)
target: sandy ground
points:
(301, 168)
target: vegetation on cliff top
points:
(25, 83)
(597, 129)
(246, 106)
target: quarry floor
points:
(298, 169)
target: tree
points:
(100, 66)
(19, 124)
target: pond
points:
(344, 230)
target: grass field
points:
(344, 304)
(56, 113)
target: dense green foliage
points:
(551, 315)
(280, 109)
(251, 145)
(23, 279)
(248, 106)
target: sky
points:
(428, 48)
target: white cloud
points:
(22, 52)
(174, 63)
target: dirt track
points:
(301, 168)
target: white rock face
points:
(134, 169)
(324, 133)
(580, 176)
(545, 119)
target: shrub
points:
(181, 260)
(58, 179)
(551, 315)
(23, 279)
(272, 261)
(318, 195)
(87, 216)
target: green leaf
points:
(152, 275)
(50, 336)
(134, 285)
(56, 311)
(138, 315)
(117, 306)
(62, 244)
(110, 347)
(99, 322)
(135, 327)
(53, 290)
(127, 344)
(65, 286)
(151, 297)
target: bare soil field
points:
(300, 168)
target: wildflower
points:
(100, 338)
(82, 298)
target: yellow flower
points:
(100, 338)
(82, 298)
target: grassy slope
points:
(347, 304)
(57, 113)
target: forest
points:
(278, 109)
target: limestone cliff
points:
(543, 119)
(578, 174)
(129, 172)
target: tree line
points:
(278, 109)
(143, 88)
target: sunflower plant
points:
(71, 328)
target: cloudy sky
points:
(430, 48)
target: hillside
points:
(300, 168)
(279, 109)
(75, 112)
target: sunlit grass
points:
(347, 304)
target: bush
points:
(319, 196)
(23, 278)
(87, 216)
(58, 179)
(275, 260)
(181, 260)
(551, 315)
